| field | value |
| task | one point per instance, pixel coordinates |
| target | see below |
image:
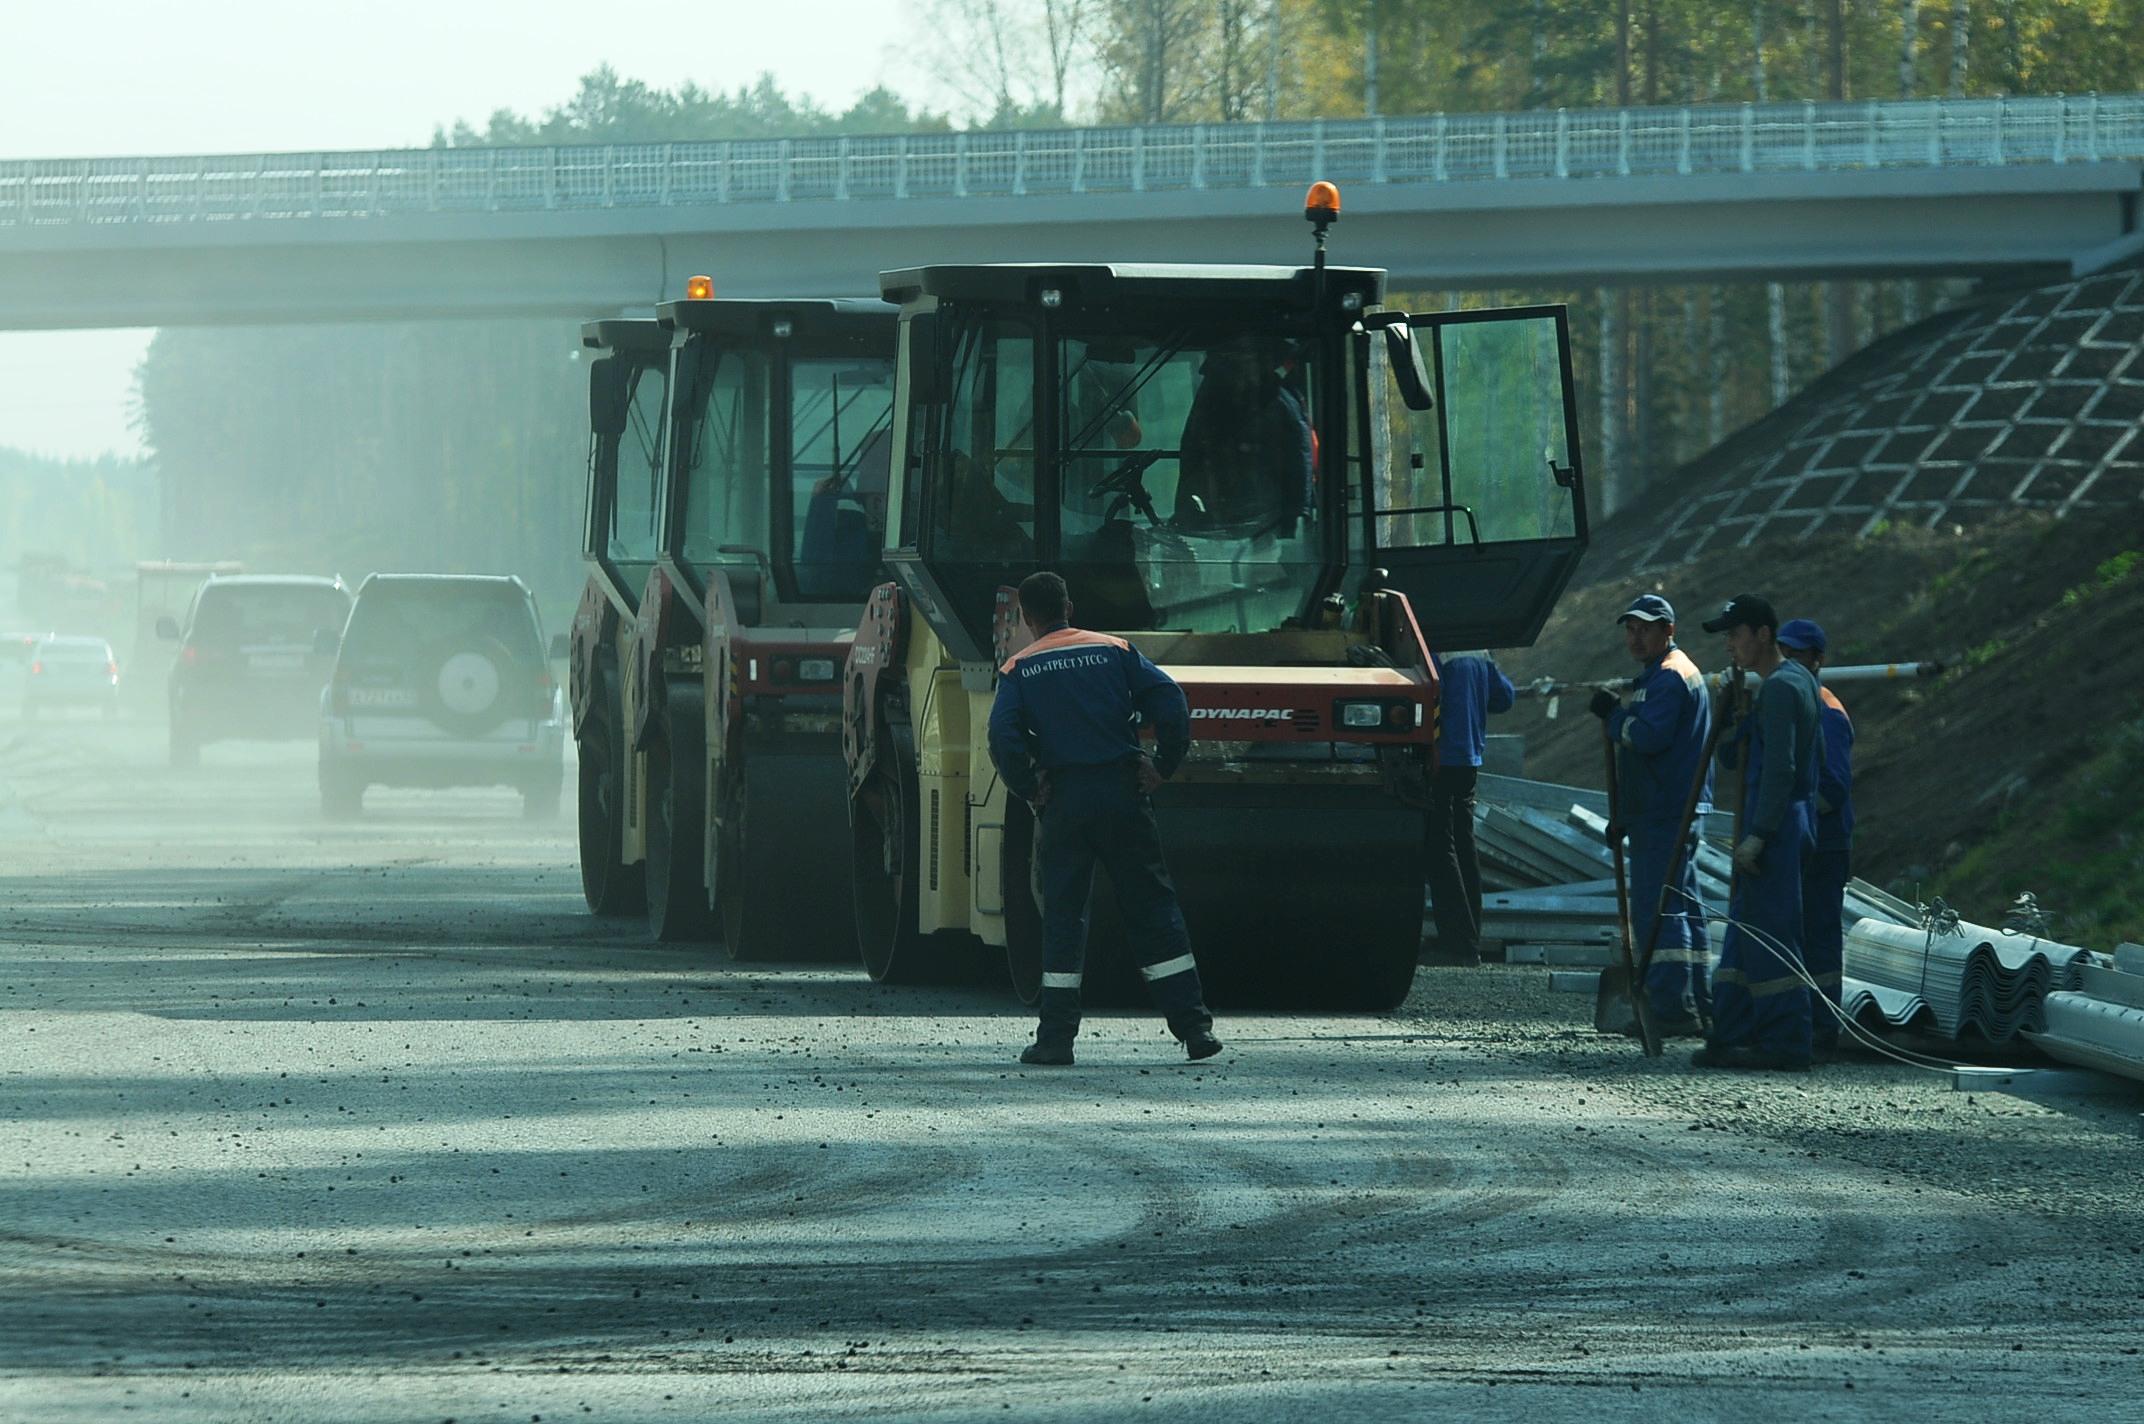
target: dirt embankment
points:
(2020, 768)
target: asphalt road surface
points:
(356, 1122)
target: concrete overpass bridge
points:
(1920, 188)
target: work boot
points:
(1201, 1045)
(1047, 1053)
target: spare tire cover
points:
(466, 692)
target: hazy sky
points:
(89, 78)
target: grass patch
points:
(2085, 862)
(2106, 576)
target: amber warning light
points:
(1323, 203)
(699, 289)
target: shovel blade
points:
(1613, 1009)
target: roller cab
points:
(1207, 454)
(628, 379)
(769, 517)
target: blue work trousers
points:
(1096, 815)
(1677, 985)
(1824, 878)
(1758, 999)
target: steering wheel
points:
(1128, 483)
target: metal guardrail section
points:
(1443, 148)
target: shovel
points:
(1619, 1001)
(1614, 1005)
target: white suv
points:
(442, 680)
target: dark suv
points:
(251, 662)
(443, 680)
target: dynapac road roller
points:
(761, 535)
(1287, 497)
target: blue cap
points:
(1801, 633)
(1649, 607)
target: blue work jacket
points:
(1660, 736)
(1076, 698)
(1835, 778)
(1469, 689)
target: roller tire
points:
(678, 912)
(884, 848)
(780, 886)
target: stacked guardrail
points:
(1956, 978)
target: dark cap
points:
(1744, 610)
(1802, 633)
(1648, 608)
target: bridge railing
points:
(1441, 148)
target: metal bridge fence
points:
(1440, 148)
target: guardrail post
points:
(374, 193)
(1317, 147)
(784, 154)
(1499, 146)
(431, 184)
(1438, 168)
(1563, 143)
(960, 165)
(722, 171)
(1622, 143)
(260, 181)
(2002, 113)
(1258, 157)
(1079, 160)
(1809, 135)
(2062, 129)
(1378, 169)
(610, 175)
(900, 166)
(1749, 138)
(1198, 155)
(141, 192)
(320, 184)
(1935, 133)
(2091, 129)
(1682, 142)
(1139, 160)
(841, 168)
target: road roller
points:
(1287, 495)
(766, 523)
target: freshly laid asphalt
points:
(304, 1120)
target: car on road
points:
(443, 680)
(15, 650)
(250, 664)
(71, 673)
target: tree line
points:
(461, 445)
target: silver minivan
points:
(442, 680)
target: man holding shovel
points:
(1660, 738)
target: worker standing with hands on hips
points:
(1831, 864)
(1064, 733)
(1660, 737)
(1760, 1004)
(1470, 686)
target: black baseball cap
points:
(1648, 608)
(1744, 610)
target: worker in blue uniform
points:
(1760, 1003)
(1831, 864)
(1064, 733)
(1470, 686)
(1660, 736)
